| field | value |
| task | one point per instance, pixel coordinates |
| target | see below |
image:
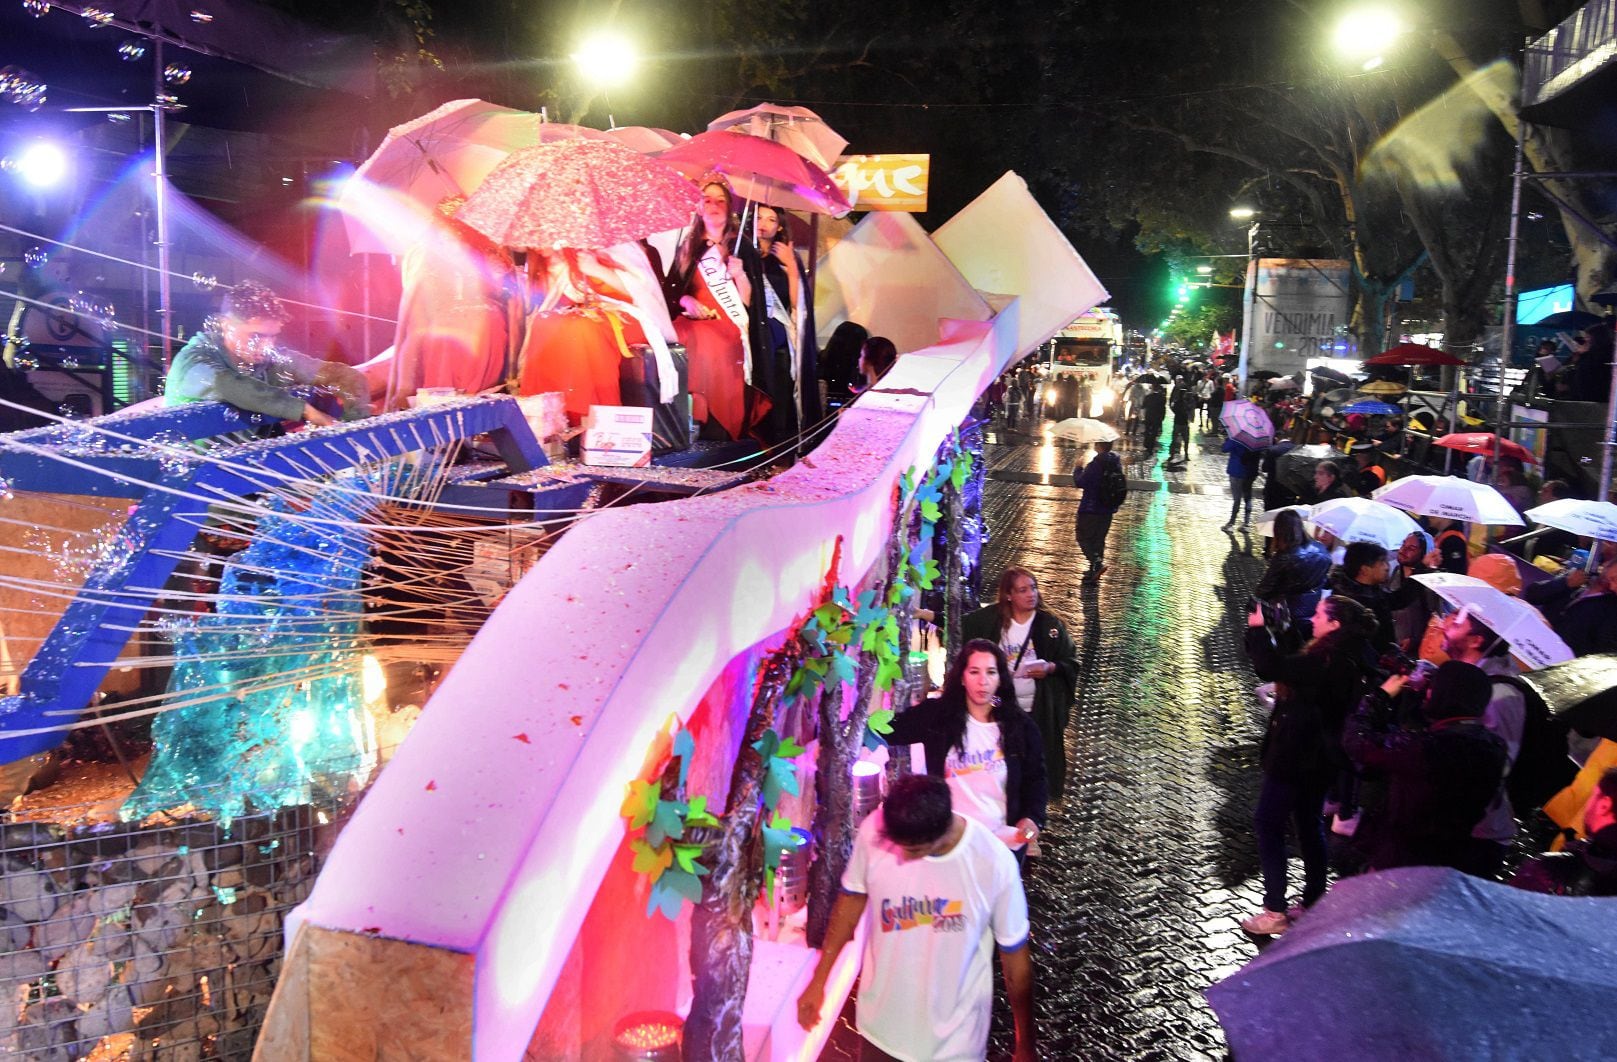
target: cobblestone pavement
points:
(1150, 861)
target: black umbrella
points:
(1581, 692)
(1296, 467)
(1607, 298)
(1262, 374)
(1425, 962)
(1326, 378)
(1569, 320)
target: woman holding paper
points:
(709, 293)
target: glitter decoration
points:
(201, 16)
(169, 101)
(176, 73)
(36, 257)
(37, 8)
(132, 49)
(95, 17)
(204, 281)
(289, 603)
(6, 493)
(581, 194)
(118, 117)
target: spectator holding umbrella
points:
(1301, 753)
(1581, 609)
(1242, 468)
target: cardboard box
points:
(619, 419)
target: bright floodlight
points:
(1367, 32)
(1242, 213)
(607, 59)
(1204, 270)
(42, 164)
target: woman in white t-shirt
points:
(986, 747)
(1043, 661)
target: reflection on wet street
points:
(1150, 861)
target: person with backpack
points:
(1536, 762)
(1106, 488)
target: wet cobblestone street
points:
(1150, 862)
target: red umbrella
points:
(582, 194)
(760, 170)
(1482, 442)
(1414, 354)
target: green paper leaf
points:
(961, 469)
(887, 672)
(769, 884)
(930, 512)
(881, 721)
(789, 749)
(697, 814)
(766, 745)
(779, 777)
(684, 748)
(927, 575)
(778, 840)
(667, 821)
(828, 615)
(686, 885)
(686, 855)
(649, 859)
(664, 900)
(843, 668)
(641, 803)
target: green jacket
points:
(203, 371)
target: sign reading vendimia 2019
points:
(1296, 309)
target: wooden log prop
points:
(721, 925)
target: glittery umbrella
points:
(444, 153)
(1426, 962)
(580, 194)
(797, 127)
(645, 138)
(760, 170)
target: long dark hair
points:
(693, 243)
(952, 702)
(1289, 530)
(1356, 625)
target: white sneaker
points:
(1344, 827)
(1266, 923)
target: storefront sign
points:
(884, 182)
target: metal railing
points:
(1584, 42)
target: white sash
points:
(725, 293)
(794, 325)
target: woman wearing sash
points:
(708, 293)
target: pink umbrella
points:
(760, 170)
(581, 194)
(645, 138)
(797, 127)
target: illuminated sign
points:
(884, 182)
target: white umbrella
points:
(1451, 497)
(1364, 520)
(1083, 430)
(1266, 522)
(1513, 619)
(1284, 383)
(1594, 519)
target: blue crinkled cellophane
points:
(289, 605)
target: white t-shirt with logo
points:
(926, 989)
(976, 778)
(1011, 641)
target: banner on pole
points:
(1295, 309)
(884, 182)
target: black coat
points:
(1296, 576)
(926, 725)
(1439, 783)
(1587, 624)
(1315, 691)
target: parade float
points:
(457, 750)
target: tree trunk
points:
(833, 816)
(721, 925)
(952, 585)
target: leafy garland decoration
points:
(661, 851)
(829, 641)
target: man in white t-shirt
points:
(940, 891)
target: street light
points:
(607, 59)
(1204, 270)
(1367, 34)
(1243, 213)
(41, 164)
